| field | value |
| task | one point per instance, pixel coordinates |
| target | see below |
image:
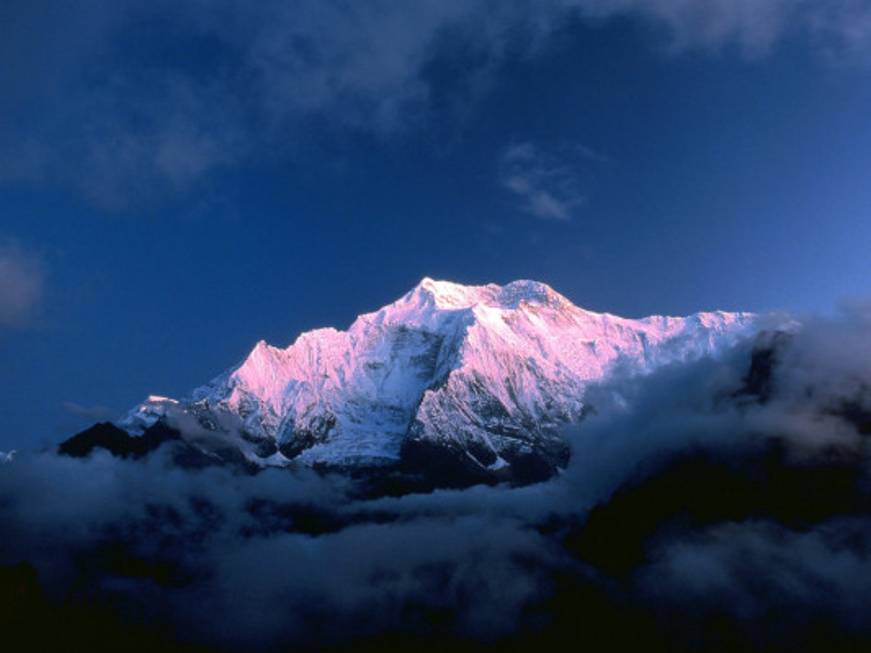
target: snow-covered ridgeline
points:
(490, 370)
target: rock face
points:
(484, 376)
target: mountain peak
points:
(487, 372)
(450, 295)
(531, 292)
(446, 294)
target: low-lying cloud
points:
(723, 503)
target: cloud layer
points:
(716, 504)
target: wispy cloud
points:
(21, 285)
(96, 413)
(140, 122)
(546, 185)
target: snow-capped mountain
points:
(488, 374)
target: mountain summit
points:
(483, 376)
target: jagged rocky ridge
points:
(476, 379)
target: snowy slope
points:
(489, 371)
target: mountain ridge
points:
(490, 373)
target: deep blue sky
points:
(179, 180)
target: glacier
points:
(490, 374)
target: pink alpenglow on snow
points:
(493, 371)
